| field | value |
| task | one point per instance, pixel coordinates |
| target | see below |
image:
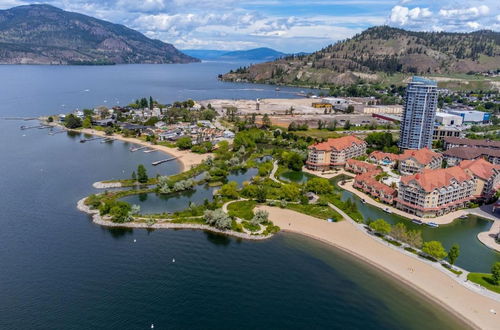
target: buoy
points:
(152, 326)
(135, 240)
(173, 260)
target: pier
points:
(36, 126)
(107, 140)
(163, 161)
(137, 149)
(91, 139)
(150, 150)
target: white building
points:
(472, 117)
(448, 119)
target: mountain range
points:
(257, 54)
(378, 52)
(43, 34)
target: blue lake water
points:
(59, 270)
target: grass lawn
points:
(485, 280)
(249, 226)
(242, 210)
(317, 211)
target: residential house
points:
(415, 161)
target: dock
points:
(91, 139)
(163, 161)
(137, 149)
(107, 140)
(150, 150)
(36, 126)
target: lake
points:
(59, 270)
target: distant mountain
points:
(379, 51)
(43, 34)
(257, 54)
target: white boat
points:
(387, 210)
(363, 201)
(416, 221)
(432, 224)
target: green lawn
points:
(242, 210)
(317, 211)
(484, 280)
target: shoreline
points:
(97, 219)
(445, 289)
(185, 158)
(487, 237)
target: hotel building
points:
(334, 152)
(415, 161)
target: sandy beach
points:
(185, 157)
(488, 237)
(464, 303)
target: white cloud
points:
(474, 25)
(462, 13)
(402, 15)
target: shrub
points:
(434, 249)
(381, 226)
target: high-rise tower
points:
(417, 125)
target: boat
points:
(363, 201)
(432, 224)
(277, 89)
(463, 216)
(416, 221)
(387, 210)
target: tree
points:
(453, 253)
(73, 121)
(142, 175)
(434, 249)
(495, 273)
(293, 160)
(50, 119)
(414, 238)
(217, 218)
(134, 176)
(319, 186)
(109, 130)
(184, 143)
(87, 123)
(229, 190)
(266, 121)
(261, 194)
(381, 226)
(290, 192)
(260, 216)
(347, 125)
(399, 232)
(350, 109)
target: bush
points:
(93, 201)
(435, 249)
(381, 226)
(218, 219)
(184, 143)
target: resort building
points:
(334, 152)
(487, 176)
(417, 124)
(453, 142)
(435, 192)
(358, 166)
(367, 183)
(454, 156)
(383, 158)
(415, 161)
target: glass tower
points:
(417, 124)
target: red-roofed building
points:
(334, 152)
(368, 183)
(415, 161)
(435, 192)
(487, 176)
(383, 158)
(358, 166)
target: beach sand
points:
(440, 287)
(185, 157)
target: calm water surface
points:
(59, 270)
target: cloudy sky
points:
(286, 25)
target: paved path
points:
(273, 172)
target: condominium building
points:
(417, 124)
(383, 158)
(368, 183)
(453, 142)
(358, 166)
(334, 152)
(415, 161)
(454, 156)
(435, 192)
(487, 176)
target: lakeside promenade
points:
(472, 307)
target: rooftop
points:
(480, 168)
(429, 179)
(471, 153)
(471, 142)
(423, 156)
(338, 144)
(423, 81)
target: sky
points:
(286, 25)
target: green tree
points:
(399, 232)
(453, 253)
(266, 121)
(217, 218)
(87, 123)
(381, 226)
(134, 176)
(184, 143)
(495, 273)
(434, 249)
(261, 194)
(319, 186)
(109, 130)
(72, 121)
(293, 160)
(229, 190)
(414, 238)
(290, 192)
(50, 119)
(142, 175)
(260, 216)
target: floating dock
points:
(137, 149)
(91, 139)
(163, 161)
(150, 150)
(36, 126)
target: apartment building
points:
(487, 176)
(367, 182)
(415, 161)
(454, 142)
(358, 166)
(456, 155)
(383, 158)
(334, 152)
(435, 192)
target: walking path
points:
(273, 172)
(464, 300)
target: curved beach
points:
(472, 307)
